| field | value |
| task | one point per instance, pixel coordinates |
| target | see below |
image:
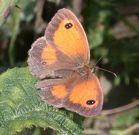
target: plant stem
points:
(130, 129)
(16, 20)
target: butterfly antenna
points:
(96, 67)
(106, 70)
(98, 61)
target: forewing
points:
(67, 34)
(61, 49)
(45, 60)
(85, 96)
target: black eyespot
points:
(90, 102)
(68, 25)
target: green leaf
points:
(115, 131)
(126, 118)
(96, 36)
(37, 131)
(5, 8)
(21, 107)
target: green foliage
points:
(20, 106)
(5, 9)
(127, 118)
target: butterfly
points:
(63, 55)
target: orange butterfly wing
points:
(86, 96)
(53, 91)
(60, 53)
(64, 46)
(83, 95)
(66, 33)
(45, 60)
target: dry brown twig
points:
(39, 23)
(130, 129)
(93, 132)
(121, 109)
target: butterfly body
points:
(63, 54)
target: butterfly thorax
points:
(85, 70)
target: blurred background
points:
(112, 28)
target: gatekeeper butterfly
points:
(63, 55)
